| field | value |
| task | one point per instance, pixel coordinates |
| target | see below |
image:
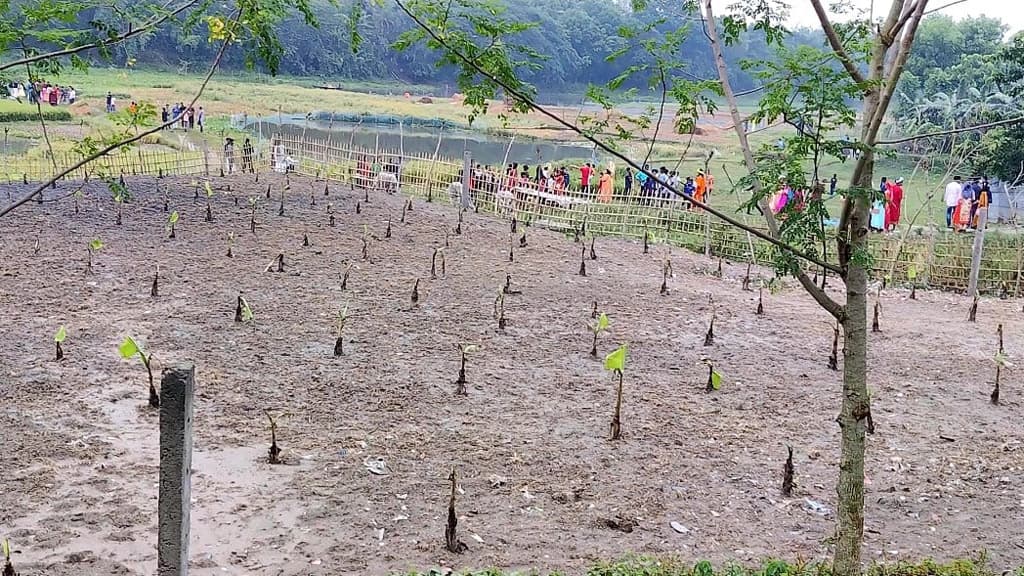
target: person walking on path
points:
(604, 187)
(229, 154)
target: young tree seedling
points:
(460, 382)
(576, 234)
(593, 311)
(274, 453)
(875, 326)
(746, 279)
(515, 224)
(59, 338)
(344, 278)
(666, 273)
(387, 233)
(253, 204)
(154, 290)
(445, 230)
(35, 246)
(209, 197)
(305, 239)
(499, 309)
(458, 226)
(330, 215)
(410, 204)
(195, 191)
(340, 324)
(507, 289)
(646, 241)
(760, 301)
(972, 316)
(1001, 362)
(279, 261)
(511, 249)
(597, 328)
(405, 208)
(433, 263)
(128, 350)
(312, 197)
(833, 359)
(709, 337)
(718, 272)
(94, 246)
(231, 243)
(171, 221)
(714, 378)
(787, 474)
(359, 208)
(522, 240)
(8, 567)
(415, 293)
(593, 254)
(268, 191)
(616, 363)
(583, 261)
(451, 537)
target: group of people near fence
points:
(964, 199)
(887, 209)
(42, 93)
(186, 117)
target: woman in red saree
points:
(894, 201)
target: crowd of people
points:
(186, 117)
(963, 199)
(42, 93)
(886, 210)
(592, 179)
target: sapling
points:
(366, 196)
(709, 337)
(460, 382)
(312, 198)
(515, 224)
(274, 453)
(8, 567)
(154, 290)
(787, 474)
(593, 255)
(499, 309)
(875, 326)
(387, 233)
(972, 316)
(451, 537)
(593, 311)
(912, 277)
(507, 289)
(718, 272)
(59, 338)
(410, 204)
(576, 234)
(522, 240)
(326, 190)
(511, 249)
(240, 306)
(195, 191)
(760, 301)
(344, 277)
(253, 204)
(445, 230)
(714, 378)
(340, 322)
(746, 279)
(666, 273)
(119, 200)
(1001, 362)
(305, 239)
(268, 191)
(646, 237)
(597, 328)
(833, 360)
(231, 242)
(616, 363)
(433, 264)
(359, 209)
(583, 261)
(171, 221)
(280, 209)
(94, 246)
(35, 246)
(405, 207)
(209, 207)
(458, 226)
(330, 215)
(128, 350)
(415, 293)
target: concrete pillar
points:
(976, 252)
(177, 386)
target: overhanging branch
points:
(609, 150)
(837, 44)
(1017, 120)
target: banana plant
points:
(616, 363)
(598, 328)
(130, 349)
(59, 338)
(171, 221)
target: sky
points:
(1011, 12)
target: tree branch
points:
(906, 43)
(995, 124)
(604, 147)
(202, 87)
(115, 40)
(837, 44)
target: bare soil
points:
(540, 483)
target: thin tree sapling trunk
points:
(451, 536)
(583, 262)
(593, 254)
(760, 302)
(154, 398)
(787, 474)
(522, 240)
(709, 338)
(616, 425)
(460, 382)
(274, 453)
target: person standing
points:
(202, 120)
(110, 102)
(586, 171)
(832, 184)
(165, 115)
(952, 198)
(893, 205)
(700, 187)
(229, 154)
(604, 187)
(628, 180)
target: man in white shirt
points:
(953, 192)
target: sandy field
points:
(541, 485)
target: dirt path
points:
(540, 481)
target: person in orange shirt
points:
(701, 187)
(604, 187)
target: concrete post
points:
(177, 386)
(467, 178)
(979, 241)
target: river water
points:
(486, 149)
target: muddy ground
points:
(541, 484)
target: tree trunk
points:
(855, 404)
